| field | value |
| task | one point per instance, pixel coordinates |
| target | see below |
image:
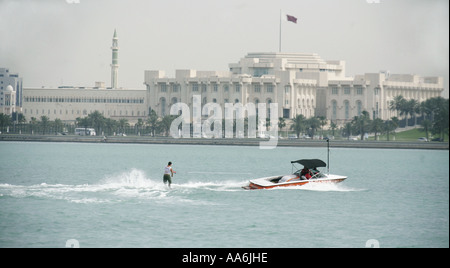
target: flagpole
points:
(280, 34)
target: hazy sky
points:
(57, 42)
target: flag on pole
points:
(291, 18)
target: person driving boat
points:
(305, 174)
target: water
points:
(112, 195)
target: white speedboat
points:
(309, 174)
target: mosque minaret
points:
(115, 61)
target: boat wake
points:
(135, 186)
(322, 187)
(129, 186)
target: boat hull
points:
(267, 183)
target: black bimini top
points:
(310, 163)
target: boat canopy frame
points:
(310, 163)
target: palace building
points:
(68, 103)
(300, 83)
(10, 92)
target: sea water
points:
(112, 195)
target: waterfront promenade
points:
(232, 142)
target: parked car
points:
(422, 139)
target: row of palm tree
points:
(413, 108)
(433, 111)
(301, 124)
(107, 126)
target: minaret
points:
(115, 61)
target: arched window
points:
(334, 110)
(347, 109)
(359, 108)
(163, 106)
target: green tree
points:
(298, 124)
(83, 122)
(152, 122)
(97, 120)
(333, 127)
(110, 125)
(323, 122)
(399, 105)
(45, 123)
(5, 121)
(33, 125)
(426, 126)
(139, 125)
(441, 118)
(58, 125)
(391, 126)
(164, 124)
(410, 108)
(313, 124)
(377, 125)
(362, 123)
(123, 124)
(347, 131)
(281, 123)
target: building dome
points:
(9, 88)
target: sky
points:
(68, 42)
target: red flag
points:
(291, 18)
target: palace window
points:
(347, 90)
(335, 91)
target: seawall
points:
(231, 142)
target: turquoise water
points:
(112, 195)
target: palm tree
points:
(441, 118)
(377, 126)
(361, 123)
(323, 122)
(165, 123)
(110, 125)
(410, 108)
(298, 124)
(426, 126)
(152, 122)
(333, 127)
(97, 120)
(140, 123)
(313, 123)
(5, 120)
(347, 130)
(281, 123)
(33, 124)
(83, 122)
(123, 123)
(58, 124)
(398, 104)
(391, 126)
(45, 122)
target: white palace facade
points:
(299, 83)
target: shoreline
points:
(228, 142)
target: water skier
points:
(168, 174)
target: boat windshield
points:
(315, 173)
